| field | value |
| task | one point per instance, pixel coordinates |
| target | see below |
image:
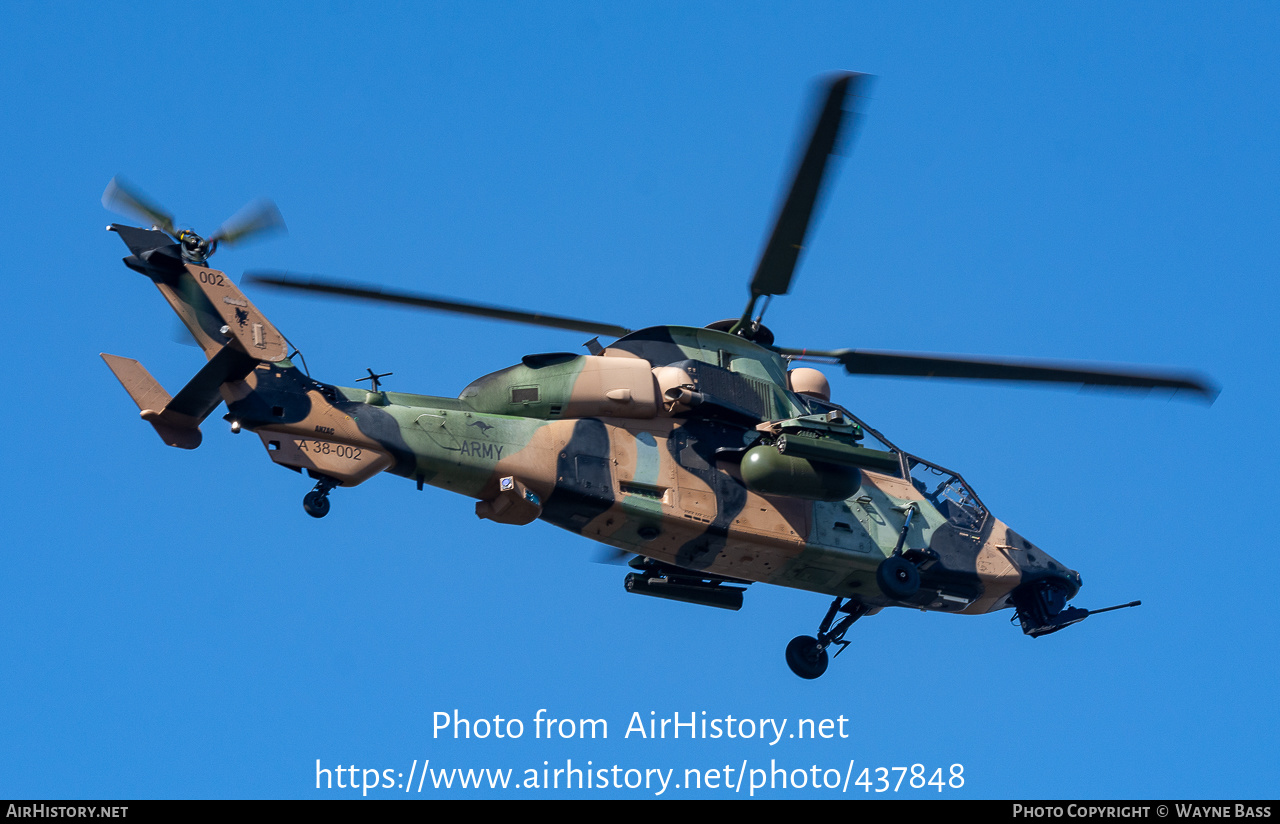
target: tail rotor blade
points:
(259, 217)
(122, 198)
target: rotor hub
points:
(196, 249)
(754, 331)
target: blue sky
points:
(1088, 181)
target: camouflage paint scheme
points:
(640, 447)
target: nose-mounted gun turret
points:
(1042, 607)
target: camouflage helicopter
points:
(701, 452)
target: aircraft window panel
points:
(868, 440)
(948, 492)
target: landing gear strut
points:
(898, 576)
(807, 656)
(316, 502)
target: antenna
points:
(374, 378)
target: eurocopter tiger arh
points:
(698, 451)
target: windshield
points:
(949, 493)
(946, 490)
(870, 439)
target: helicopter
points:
(706, 455)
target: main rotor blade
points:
(605, 554)
(376, 293)
(778, 262)
(259, 217)
(121, 198)
(857, 362)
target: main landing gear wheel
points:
(898, 578)
(806, 657)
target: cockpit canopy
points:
(949, 493)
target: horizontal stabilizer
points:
(201, 396)
(154, 253)
(142, 241)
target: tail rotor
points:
(261, 217)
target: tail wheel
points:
(316, 504)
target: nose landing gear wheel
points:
(806, 657)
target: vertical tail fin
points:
(152, 400)
(177, 419)
(205, 300)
